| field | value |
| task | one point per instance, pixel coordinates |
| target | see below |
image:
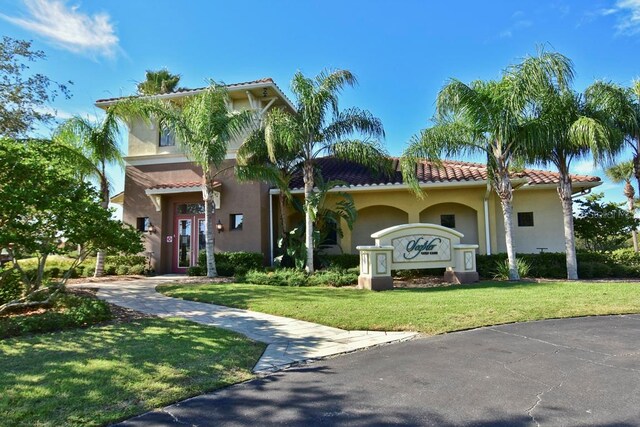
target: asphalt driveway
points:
(583, 371)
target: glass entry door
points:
(189, 236)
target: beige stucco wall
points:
(380, 209)
(548, 229)
(466, 219)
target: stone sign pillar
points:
(416, 246)
(375, 268)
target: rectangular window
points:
(142, 223)
(190, 208)
(448, 220)
(331, 235)
(235, 221)
(167, 138)
(525, 219)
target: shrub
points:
(550, 265)
(342, 261)
(128, 260)
(196, 270)
(233, 263)
(11, 287)
(110, 270)
(335, 278)
(502, 269)
(137, 269)
(280, 277)
(67, 311)
(122, 270)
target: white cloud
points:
(68, 28)
(584, 167)
(628, 15)
(517, 25)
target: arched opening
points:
(460, 217)
(372, 219)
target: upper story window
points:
(167, 138)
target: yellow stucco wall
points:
(547, 231)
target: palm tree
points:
(623, 108)
(158, 82)
(318, 127)
(97, 148)
(487, 118)
(568, 126)
(623, 172)
(255, 164)
(204, 127)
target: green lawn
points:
(430, 310)
(105, 374)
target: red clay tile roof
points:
(179, 185)
(185, 90)
(451, 171)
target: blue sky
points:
(401, 51)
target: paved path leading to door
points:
(289, 341)
(569, 372)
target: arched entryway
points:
(372, 219)
(460, 217)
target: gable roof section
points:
(451, 171)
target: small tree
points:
(45, 205)
(603, 226)
(623, 172)
(23, 98)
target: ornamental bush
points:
(66, 311)
(233, 263)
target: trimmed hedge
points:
(229, 263)
(552, 265)
(341, 261)
(292, 277)
(67, 311)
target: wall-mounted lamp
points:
(219, 226)
(151, 229)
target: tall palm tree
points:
(204, 127)
(318, 127)
(623, 108)
(158, 82)
(623, 172)
(255, 164)
(487, 118)
(568, 126)
(97, 146)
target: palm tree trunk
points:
(630, 193)
(505, 193)
(565, 191)
(283, 221)
(209, 213)
(308, 220)
(104, 190)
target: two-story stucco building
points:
(162, 196)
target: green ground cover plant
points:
(104, 374)
(428, 310)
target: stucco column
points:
(414, 216)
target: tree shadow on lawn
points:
(105, 374)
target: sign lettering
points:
(421, 246)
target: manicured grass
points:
(105, 374)
(430, 310)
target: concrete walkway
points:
(289, 341)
